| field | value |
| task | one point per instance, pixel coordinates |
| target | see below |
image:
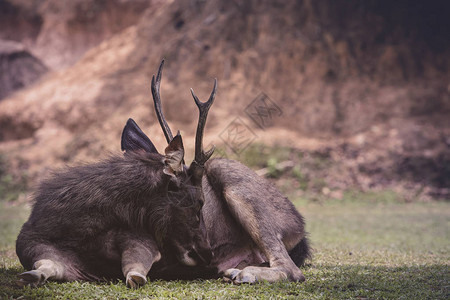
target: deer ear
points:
(174, 156)
(133, 139)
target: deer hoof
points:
(301, 278)
(297, 276)
(32, 278)
(135, 280)
(237, 276)
(231, 273)
(245, 278)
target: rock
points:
(18, 67)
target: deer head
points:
(186, 235)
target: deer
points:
(147, 214)
(118, 218)
(255, 233)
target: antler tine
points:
(157, 101)
(200, 156)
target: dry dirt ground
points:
(364, 84)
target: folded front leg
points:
(272, 230)
(138, 255)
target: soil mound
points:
(367, 79)
(18, 67)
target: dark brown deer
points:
(118, 218)
(254, 231)
(141, 214)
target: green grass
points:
(362, 250)
(11, 186)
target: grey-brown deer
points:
(146, 214)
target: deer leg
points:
(138, 256)
(252, 274)
(43, 269)
(47, 263)
(267, 236)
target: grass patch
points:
(258, 156)
(362, 250)
(11, 185)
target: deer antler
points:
(157, 101)
(201, 156)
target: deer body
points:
(262, 226)
(109, 220)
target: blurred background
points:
(324, 97)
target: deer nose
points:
(202, 256)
